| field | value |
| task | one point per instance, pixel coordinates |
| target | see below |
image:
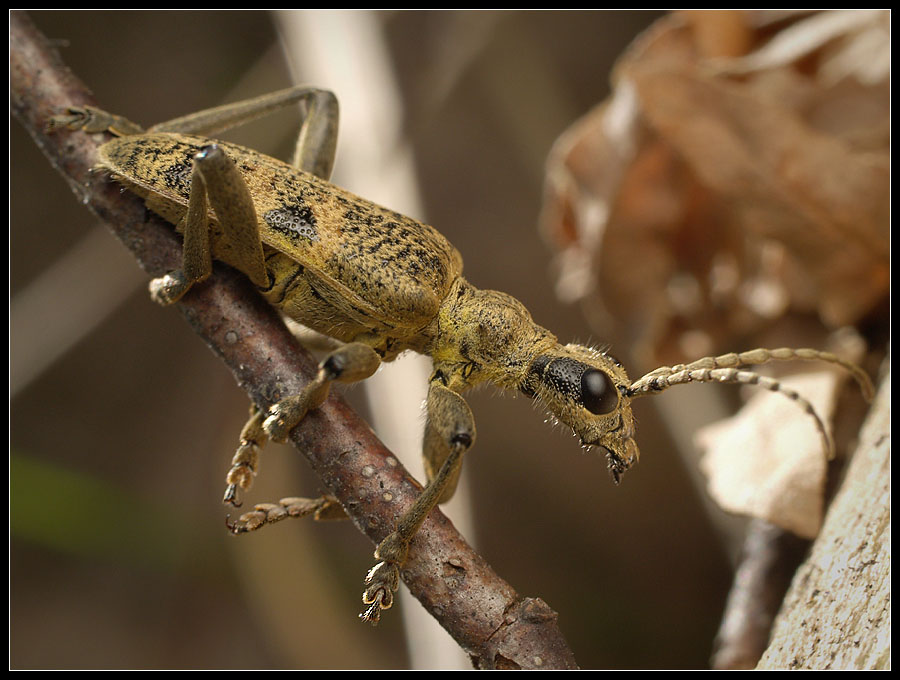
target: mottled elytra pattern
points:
(295, 221)
(400, 267)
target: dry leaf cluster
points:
(739, 173)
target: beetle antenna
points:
(724, 369)
(657, 381)
(756, 357)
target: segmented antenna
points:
(724, 369)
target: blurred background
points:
(123, 424)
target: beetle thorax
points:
(485, 335)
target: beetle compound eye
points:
(598, 394)
(579, 382)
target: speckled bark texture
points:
(837, 613)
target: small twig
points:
(769, 558)
(495, 625)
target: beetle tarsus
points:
(231, 496)
(168, 289)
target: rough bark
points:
(837, 612)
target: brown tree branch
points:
(495, 625)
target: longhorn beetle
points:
(381, 284)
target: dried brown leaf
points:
(711, 196)
(768, 461)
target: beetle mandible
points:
(381, 284)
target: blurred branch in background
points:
(733, 192)
(375, 161)
(509, 630)
(82, 287)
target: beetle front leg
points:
(449, 433)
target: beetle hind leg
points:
(215, 181)
(93, 120)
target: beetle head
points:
(588, 390)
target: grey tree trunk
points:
(837, 612)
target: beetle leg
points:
(449, 416)
(312, 340)
(246, 460)
(216, 179)
(449, 432)
(317, 141)
(323, 508)
(196, 262)
(349, 363)
(93, 120)
(318, 132)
